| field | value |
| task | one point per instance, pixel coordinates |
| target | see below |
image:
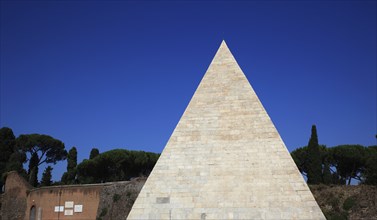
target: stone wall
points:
(116, 199)
(105, 201)
(14, 199)
(64, 202)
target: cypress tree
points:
(72, 159)
(33, 170)
(69, 177)
(33, 176)
(314, 159)
(46, 177)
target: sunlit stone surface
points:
(225, 159)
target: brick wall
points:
(68, 202)
(64, 202)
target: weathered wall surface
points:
(64, 202)
(117, 199)
(70, 202)
(14, 198)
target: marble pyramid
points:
(225, 159)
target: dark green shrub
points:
(103, 212)
(116, 197)
(334, 202)
(349, 203)
(336, 215)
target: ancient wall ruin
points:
(104, 201)
(64, 202)
(13, 201)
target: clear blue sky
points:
(119, 74)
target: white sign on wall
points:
(69, 204)
(68, 212)
(59, 209)
(78, 208)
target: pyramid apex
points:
(223, 51)
(223, 44)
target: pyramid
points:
(225, 159)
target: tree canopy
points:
(7, 148)
(334, 165)
(48, 149)
(349, 161)
(11, 158)
(42, 149)
(116, 165)
(93, 153)
(342, 163)
(370, 173)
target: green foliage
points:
(69, 177)
(314, 163)
(336, 215)
(7, 148)
(332, 208)
(334, 202)
(370, 174)
(16, 161)
(342, 163)
(116, 197)
(48, 149)
(42, 149)
(300, 156)
(33, 162)
(93, 153)
(116, 165)
(72, 159)
(349, 161)
(326, 174)
(46, 177)
(349, 203)
(33, 170)
(33, 176)
(103, 212)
